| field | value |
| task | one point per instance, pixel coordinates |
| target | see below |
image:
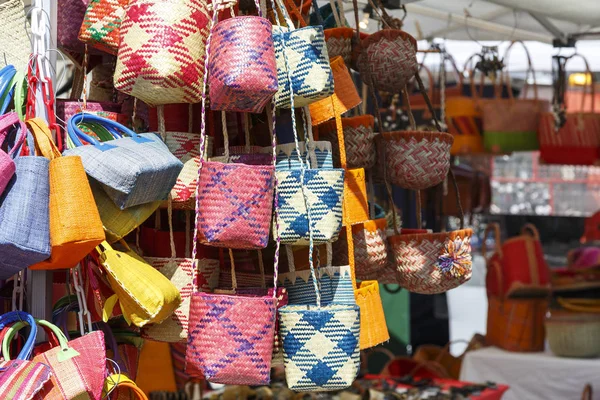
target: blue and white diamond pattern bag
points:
(303, 53)
(320, 342)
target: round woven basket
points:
(430, 263)
(416, 159)
(356, 50)
(358, 137)
(388, 59)
(339, 43)
(345, 95)
(574, 335)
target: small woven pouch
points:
(359, 135)
(101, 24)
(242, 69)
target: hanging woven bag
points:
(162, 50)
(69, 17)
(302, 54)
(101, 24)
(78, 366)
(7, 163)
(345, 96)
(430, 263)
(339, 43)
(144, 294)
(242, 69)
(319, 153)
(133, 168)
(359, 137)
(24, 209)
(14, 34)
(75, 225)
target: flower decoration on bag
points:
(456, 260)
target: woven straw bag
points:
(183, 273)
(301, 54)
(344, 98)
(242, 69)
(69, 17)
(373, 326)
(24, 212)
(7, 164)
(158, 70)
(75, 225)
(144, 294)
(21, 379)
(14, 36)
(133, 170)
(430, 263)
(78, 366)
(574, 335)
(287, 157)
(339, 43)
(65, 109)
(359, 137)
(101, 24)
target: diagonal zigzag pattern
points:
(370, 251)
(100, 27)
(340, 46)
(161, 51)
(242, 68)
(236, 202)
(306, 53)
(231, 337)
(325, 191)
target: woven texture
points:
(305, 53)
(80, 377)
(373, 327)
(356, 208)
(180, 272)
(231, 338)
(320, 346)
(24, 212)
(145, 295)
(287, 156)
(132, 172)
(69, 17)
(75, 225)
(432, 263)
(417, 160)
(162, 49)
(324, 190)
(65, 109)
(185, 146)
(359, 138)
(463, 118)
(574, 336)
(516, 324)
(370, 248)
(339, 43)
(119, 223)
(242, 70)
(236, 205)
(577, 142)
(388, 60)
(7, 164)
(22, 379)
(344, 98)
(101, 24)
(335, 285)
(14, 38)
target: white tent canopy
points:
(464, 23)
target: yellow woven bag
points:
(144, 294)
(75, 225)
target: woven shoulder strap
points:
(44, 144)
(120, 381)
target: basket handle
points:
(531, 230)
(495, 228)
(587, 393)
(529, 69)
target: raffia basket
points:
(339, 43)
(574, 335)
(359, 138)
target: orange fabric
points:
(155, 371)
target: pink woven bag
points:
(242, 68)
(7, 165)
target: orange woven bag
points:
(75, 225)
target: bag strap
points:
(66, 352)
(8, 121)
(587, 393)
(43, 138)
(531, 230)
(591, 85)
(7, 86)
(14, 317)
(495, 228)
(114, 128)
(118, 381)
(529, 69)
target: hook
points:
(18, 292)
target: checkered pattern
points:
(231, 338)
(320, 346)
(236, 205)
(242, 69)
(186, 147)
(335, 284)
(287, 156)
(324, 190)
(306, 53)
(161, 55)
(100, 27)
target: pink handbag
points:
(242, 69)
(7, 164)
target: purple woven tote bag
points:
(69, 17)
(7, 164)
(242, 67)
(24, 215)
